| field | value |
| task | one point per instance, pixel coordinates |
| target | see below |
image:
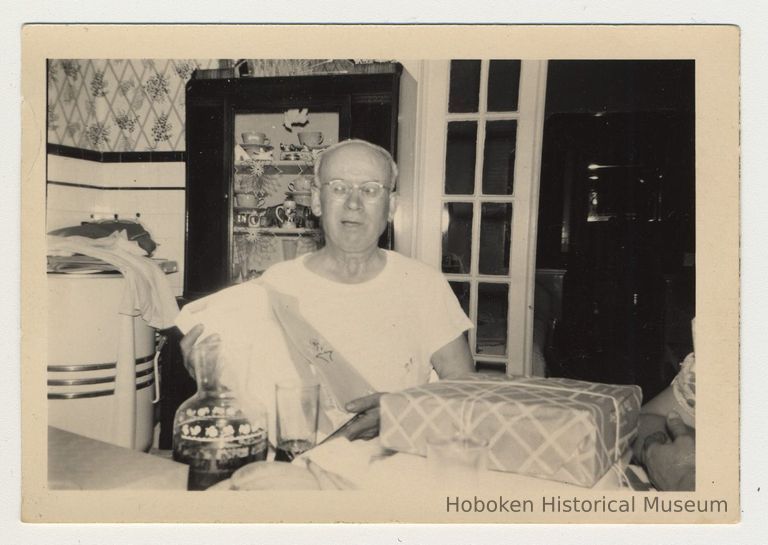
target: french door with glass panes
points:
(477, 195)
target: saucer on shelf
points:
(256, 147)
(295, 156)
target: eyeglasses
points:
(369, 191)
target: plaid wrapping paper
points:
(558, 429)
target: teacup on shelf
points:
(255, 138)
(311, 139)
(301, 185)
(248, 200)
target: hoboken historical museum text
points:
(574, 504)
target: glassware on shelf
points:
(290, 246)
(286, 213)
(240, 259)
(272, 217)
(211, 433)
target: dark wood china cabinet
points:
(218, 221)
(220, 112)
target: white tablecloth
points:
(370, 467)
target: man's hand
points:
(366, 426)
(671, 464)
(189, 349)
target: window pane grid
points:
(495, 239)
(492, 116)
(457, 237)
(473, 268)
(473, 278)
(486, 279)
(473, 316)
(492, 329)
(483, 86)
(462, 292)
(479, 153)
(499, 157)
(461, 158)
(481, 198)
(503, 76)
(464, 76)
(490, 358)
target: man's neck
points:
(346, 267)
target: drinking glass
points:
(290, 245)
(456, 460)
(297, 407)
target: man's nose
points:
(353, 198)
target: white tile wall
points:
(162, 211)
(56, 219)
(72, 199)
(143, 174)
(129, 203)
(67, 169)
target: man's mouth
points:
(351, 223)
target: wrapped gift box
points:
(558, 429)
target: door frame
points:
(427, 195)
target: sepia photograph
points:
(469, 281)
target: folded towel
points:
(147, 293)
(349, 460)
(256, 352)
(251, 343)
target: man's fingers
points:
(656, 438)
(207, 348)
(363, 403)
(191, 350)
(189, 340)
(675, 425)
(366, 425)
(358, 427)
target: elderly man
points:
(394, 319)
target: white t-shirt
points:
(388, 327)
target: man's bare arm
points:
(454, 359)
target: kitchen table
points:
(76, 462)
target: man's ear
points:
(392, 206)
(317, 208)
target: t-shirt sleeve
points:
(444, 319)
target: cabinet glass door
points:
(273, 162)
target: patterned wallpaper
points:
(138, 104)
(119, 104)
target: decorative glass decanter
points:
(211, 433)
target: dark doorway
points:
(617, 213)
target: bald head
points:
(358, 151)
(352, 221)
